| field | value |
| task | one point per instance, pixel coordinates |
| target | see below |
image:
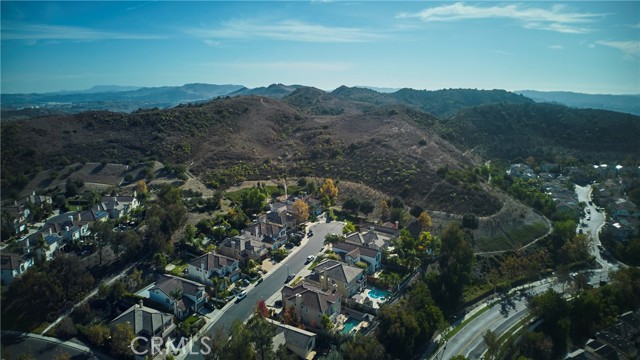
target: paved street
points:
(272, 284)
(594, 220)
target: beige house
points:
(349, 279)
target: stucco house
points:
(192, 300)
(349, 279)
(14, 265)
(202, 268)
(270, 233)
(298, 341)
(311, 303)
(352, 253)
(146, 322)
(243, 248)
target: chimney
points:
(298, 302)
(70, 218)
(202, 267)
(140, 303)
(66, 228)
(324, 282)
(78, 217)
(50, 230)
(135, 194)
(115, 200)
(371, 229)
(33, 193)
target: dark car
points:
(289, 277)
(310, 233)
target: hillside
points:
(440, 103)
(274, 90)
(250, 137)
(622, 103)
(115, 98)
(516, 131)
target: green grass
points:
(297, 280)
(191, 320)
(513, 239)
(180, 266)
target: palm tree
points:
(41, 250)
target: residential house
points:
(192, 300)
(243, 248)
(118, 206)
(371, 239)
(14, 265)
(19, 215)
(352, 253)
(53, 242)
(281, 213)
(349, 279)
(522, 171)
(310, 303)
(298, 341)
(202, 268)
(94, 215)
(70, 226)
(270, 233)
(37, 200)
(147, 323)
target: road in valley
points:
(272, 284)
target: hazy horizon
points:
(583, 47)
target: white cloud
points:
(211, 42)
(629, 48)
(635, 26)
(554, 19)
(556, 47)
(290, 30)
(502, 52)
(36, 32)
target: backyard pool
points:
(349, 325)
(381, 295)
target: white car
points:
(310, 258)
(242, 295)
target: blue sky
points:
(591, 47)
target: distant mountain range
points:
(621, 103)
(442, 103)
(113, 98)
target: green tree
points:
(98, 334)
(348, 227)
(352, 205)
(456, 266)
(367, 207)
(254, 200)
(262, 333)
(363, 347)
(493, 344)
(326, 323)
(121, 340)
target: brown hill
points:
(253, 137)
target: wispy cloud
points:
(556, 47)
(36, 32)
(554, 19)
(292, 66)
(502, 52)
(290, 30)
(630, 48)
(635, 26)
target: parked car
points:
(310, 258)
(241, 295)
(310, 233)
(289, 278)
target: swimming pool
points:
(349, 325)
(378, 294)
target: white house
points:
(167, 287)
(352, 253)
(14, 265)
(202, 268)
